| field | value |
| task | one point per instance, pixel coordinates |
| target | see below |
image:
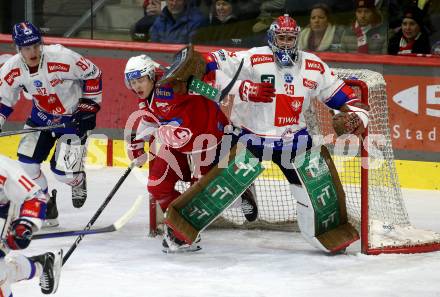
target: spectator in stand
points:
(367, 33)
(152, 9)
(269, 11)
(320, 35)
(436, 49)
(225, 28)
(412, 38)
(177, 22)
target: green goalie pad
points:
(324, 201)
(203, 202)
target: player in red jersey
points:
(185, 132)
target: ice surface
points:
(231, 264)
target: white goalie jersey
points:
(62, 78)
(295, 86)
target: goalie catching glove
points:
(353, 118)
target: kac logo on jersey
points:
(268, 78)
(288, 78)
(38, 83)
(174, 136)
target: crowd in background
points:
(397, 27)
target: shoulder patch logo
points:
(314, 65)
(261, 59)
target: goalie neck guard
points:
(282, 37)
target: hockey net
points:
(374, 199)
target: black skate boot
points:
(50, 276)
(79, 193)
(51, 211)
(248, 205)
(172, 245)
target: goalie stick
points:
(117, 225)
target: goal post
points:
(374, 198)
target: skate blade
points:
(182, 250)
(58, 263)
(51, 223)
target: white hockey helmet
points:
(138, 67)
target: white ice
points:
(231, 264)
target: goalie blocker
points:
(321, 208)
(205, 200)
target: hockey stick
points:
(210, 92)
(117, 225)
(30, 130)
(46, 128)
(98, 212)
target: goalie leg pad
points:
(205, 200)
(322, 213)
(331, 241)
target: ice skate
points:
(79, 193)
(51, 211)
(173, 245)
(51, 263)
(248, 205)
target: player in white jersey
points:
(4, 58)
(22, 209)
(276, 129)
(65, 88)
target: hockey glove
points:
(20, 234)
(136, 151)
(85, 115)
(352, 120)
(256, 92)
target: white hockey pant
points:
(15, 268)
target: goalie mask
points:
(282, 38)
(138, 67)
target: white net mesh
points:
(277, 206)
(388, 223)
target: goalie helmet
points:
(282, 37)
(25, 34)
(138, 67)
